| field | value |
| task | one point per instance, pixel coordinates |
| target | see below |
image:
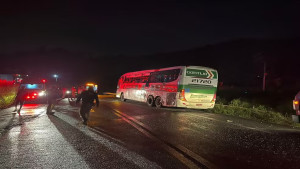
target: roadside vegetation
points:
(247, 110)
(7, 95)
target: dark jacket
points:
(21, 94)
(88, 97)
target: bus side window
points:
(165, 78)
(151, 78)
(145, 79)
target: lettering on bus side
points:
(201, 81)
(198, 73)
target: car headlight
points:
(68, 92)
(42, 93)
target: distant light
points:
(42, 93)
(44, 80)
(90, 84)
(68, 92)
(55, 75)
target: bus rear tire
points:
(122, 98)
(150, 101)
(157, 102)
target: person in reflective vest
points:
(88, 98)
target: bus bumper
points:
(195, 105)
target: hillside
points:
(239, 63)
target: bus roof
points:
(167, 68)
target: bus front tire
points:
(158, 102)
(150, 101)
(122, 98)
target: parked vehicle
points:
(35, 92)
(69, 92)
(296, 103)
(74, 91)
(180, 86)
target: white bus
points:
(180, 86)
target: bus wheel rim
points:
(158, 102)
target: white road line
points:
(234, 124)
(100, 131)
(171, 150)
(133, 157)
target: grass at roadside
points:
(7, 95)
(248, 111)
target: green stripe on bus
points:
(215, 74)
(198, 89)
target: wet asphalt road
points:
(193, 137)
(133, 135)
(36, 140)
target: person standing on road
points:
(53, 95)
(88, 98)
(20, 99)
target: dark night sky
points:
(87, 41)
(140, 28)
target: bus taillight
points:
(182, 95)
(214, 99)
